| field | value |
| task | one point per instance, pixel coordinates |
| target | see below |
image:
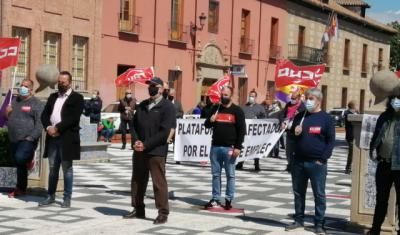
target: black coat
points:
(93, 109)
(68, 127)
(153, 126)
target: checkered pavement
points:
(102, 194)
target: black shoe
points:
(49, 200)
(347, 171)
(295, 226)
(288, 168)
(228, 204)
(319, 230)
(212, 204)
(257, 168)
(371, 232)
(123, 146)
(178, 162)
(134, 214)
(161, 219)
(66, 203)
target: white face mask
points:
(310, 105)
(395, 103)
(128, 96)
(94, 96)
(293, 101)
(252, 99)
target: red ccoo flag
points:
(214, 92)
(135, 75)
(9, 48)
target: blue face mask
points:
(23, 91)
(395, 104)
(310, 105)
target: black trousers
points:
(349, 154)
(385, 177)
(124, 128)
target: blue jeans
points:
(221, 158)
(316, 172)
(55, 156)
(107, 133)
(22, 152)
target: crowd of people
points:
(152, 123)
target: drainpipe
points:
(231, 59)
(259, 43)
(194, 40)
(154, 33)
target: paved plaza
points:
(102, 195)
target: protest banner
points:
(193, 140)
(367, 130)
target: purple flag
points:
(3, 117)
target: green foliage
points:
(395, 47)
(4, 148)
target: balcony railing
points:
(304, 54)
(178, 32)
(130, 23)
(246, 45)
(274, 51)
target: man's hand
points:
(8, 110)
(213, 117)
(52, 131)
(284, 126)
(236, 152)
(298, 130)
(128, 108)
(29, 138)
(139, 147)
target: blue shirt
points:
(317, 138)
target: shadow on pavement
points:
(263, 221)
(111, 211)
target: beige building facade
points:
(65, 33)
(362, 48)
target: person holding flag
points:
(24, 131)
(229, 128)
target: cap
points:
(155, 81)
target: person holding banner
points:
(252, 110)
(24, 131)
(293, 107)
(152, 123)
(314, 133)
(229, 128)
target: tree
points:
(395, 47)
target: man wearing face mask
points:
(93, 107)
(153, 121)
(60, 118)
(314, 133)
(229, 128)
(385, 148)
(293, 107)
(126, 108)
(24, 131)
(252, 110)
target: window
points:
(380, 59)
(79, 63)
(300, 41)
(51, 48)
(362, 100)
(176, 30)
(274, 48)
(364, 65)
(128, 22)
(324, 90)
(24, 53)
(242, 90)
(326, 57)
(245, 42)
(346, 60)
(213, 16)
(344, 97)
(270, 90)
(175, 81)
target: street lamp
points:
(194, 27)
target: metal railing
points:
(130, 23)
(178, 32)
(246, 45)
(274, 51)
(305, 54)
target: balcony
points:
(246, 46)
(130, 24)
(178, 33)
(274, 52)
(303, 55)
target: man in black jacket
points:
(126, 109)
(152, 123)
(60, 118)
(349, 134)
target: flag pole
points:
(12, 84)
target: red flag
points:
(9, 48)
(214, 92)
(287, 73)
(135, 75)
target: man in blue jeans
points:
(314, 133)
(24, 131)
(229, 129)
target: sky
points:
(384, 11)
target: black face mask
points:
(153, 90)
(62, 88)
(165, 94)
(170, 97)
(225, 100)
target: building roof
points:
(342, 11)
(353, 3)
